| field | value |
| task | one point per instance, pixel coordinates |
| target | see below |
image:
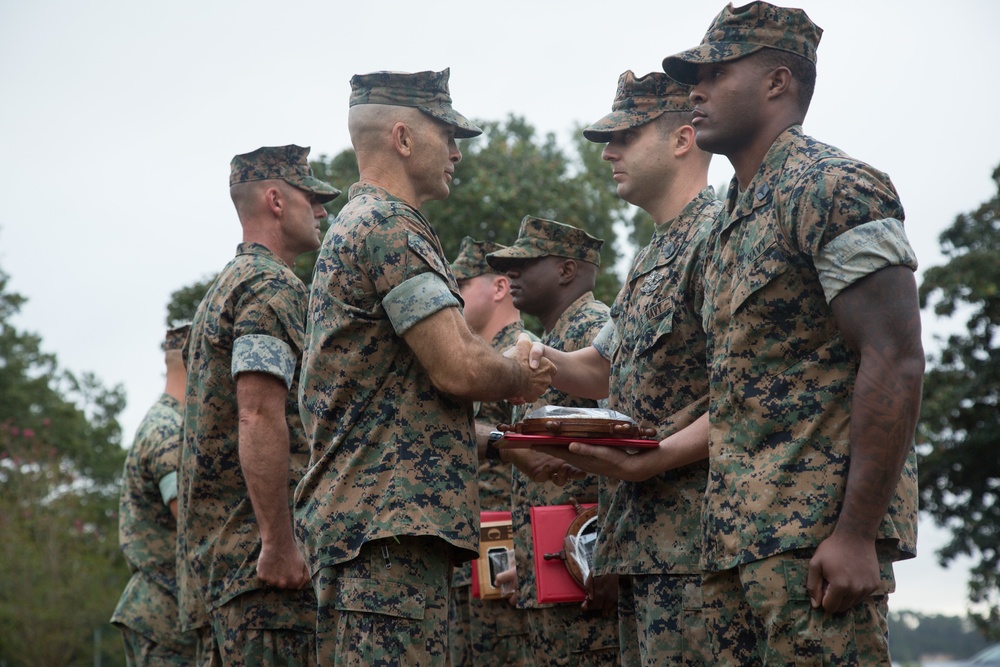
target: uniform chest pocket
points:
(756, 267)
(651, 325)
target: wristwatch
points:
(492, 451)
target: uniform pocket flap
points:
(380, 597)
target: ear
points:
(274, 201)
(501, 288)
(402, 139)
(567, 271)
(779, 82)
(683, 140)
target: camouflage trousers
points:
(206, 651)
(759, 614)
(266, 627)
(566, 635)
(660, 621)
(388, 606)
(459, 647)
(141, 651)
(498, 634)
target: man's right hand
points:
(282, 568)
(537, 370)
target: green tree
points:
(509, 172)
(913, 635)
(960, 417)
(60, 464)
(505, 174)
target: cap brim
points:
(504, 259)
(683, 67)
(324, 191)
(464, 128)
(616, 121)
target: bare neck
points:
(685, 188)
(269, 237)
(392, 182)
(501, 319)
(746, 162)
(176, 384)
(551, 318)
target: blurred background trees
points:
(960, 417)
(60, 465)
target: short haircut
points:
(669, 121)
(803, 71)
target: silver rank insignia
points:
(651, 283)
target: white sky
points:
(118, 120)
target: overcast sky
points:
(119, 118)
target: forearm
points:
(460, 363)
(686, 446)
(884, 412)
(264, 459)
(880, 319)
(584, 373)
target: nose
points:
(609, 153)
(697, 95)
(319, 211)
(512, 273)
(454, 154)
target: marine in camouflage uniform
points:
(390, 502)
(243, 357)
(561, 634)
(655, 347)
(147, 610)
(814, 374)
(487, 632)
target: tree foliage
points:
(913, 635)
(509, 173)
(960, 420)
(60, 465)
(505, 174)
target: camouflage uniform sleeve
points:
(264, 354)
(168, 487)
(415, 299)
(164, 456)
(606, 341)
(845, 210)
(274, 306)
(409, 272)
(861, 251)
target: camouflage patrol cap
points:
(541, 238)
(427, 91)
(471, 260)
(639, 101)
(740, 31)
(176, 336)
(285, 163)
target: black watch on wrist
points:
(492, 451)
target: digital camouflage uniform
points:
(391, 455)
(651, 531)
(251, 319)
(810, 223)
(390, 503)
(562, 634)
(486, 632)
(147, 610)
